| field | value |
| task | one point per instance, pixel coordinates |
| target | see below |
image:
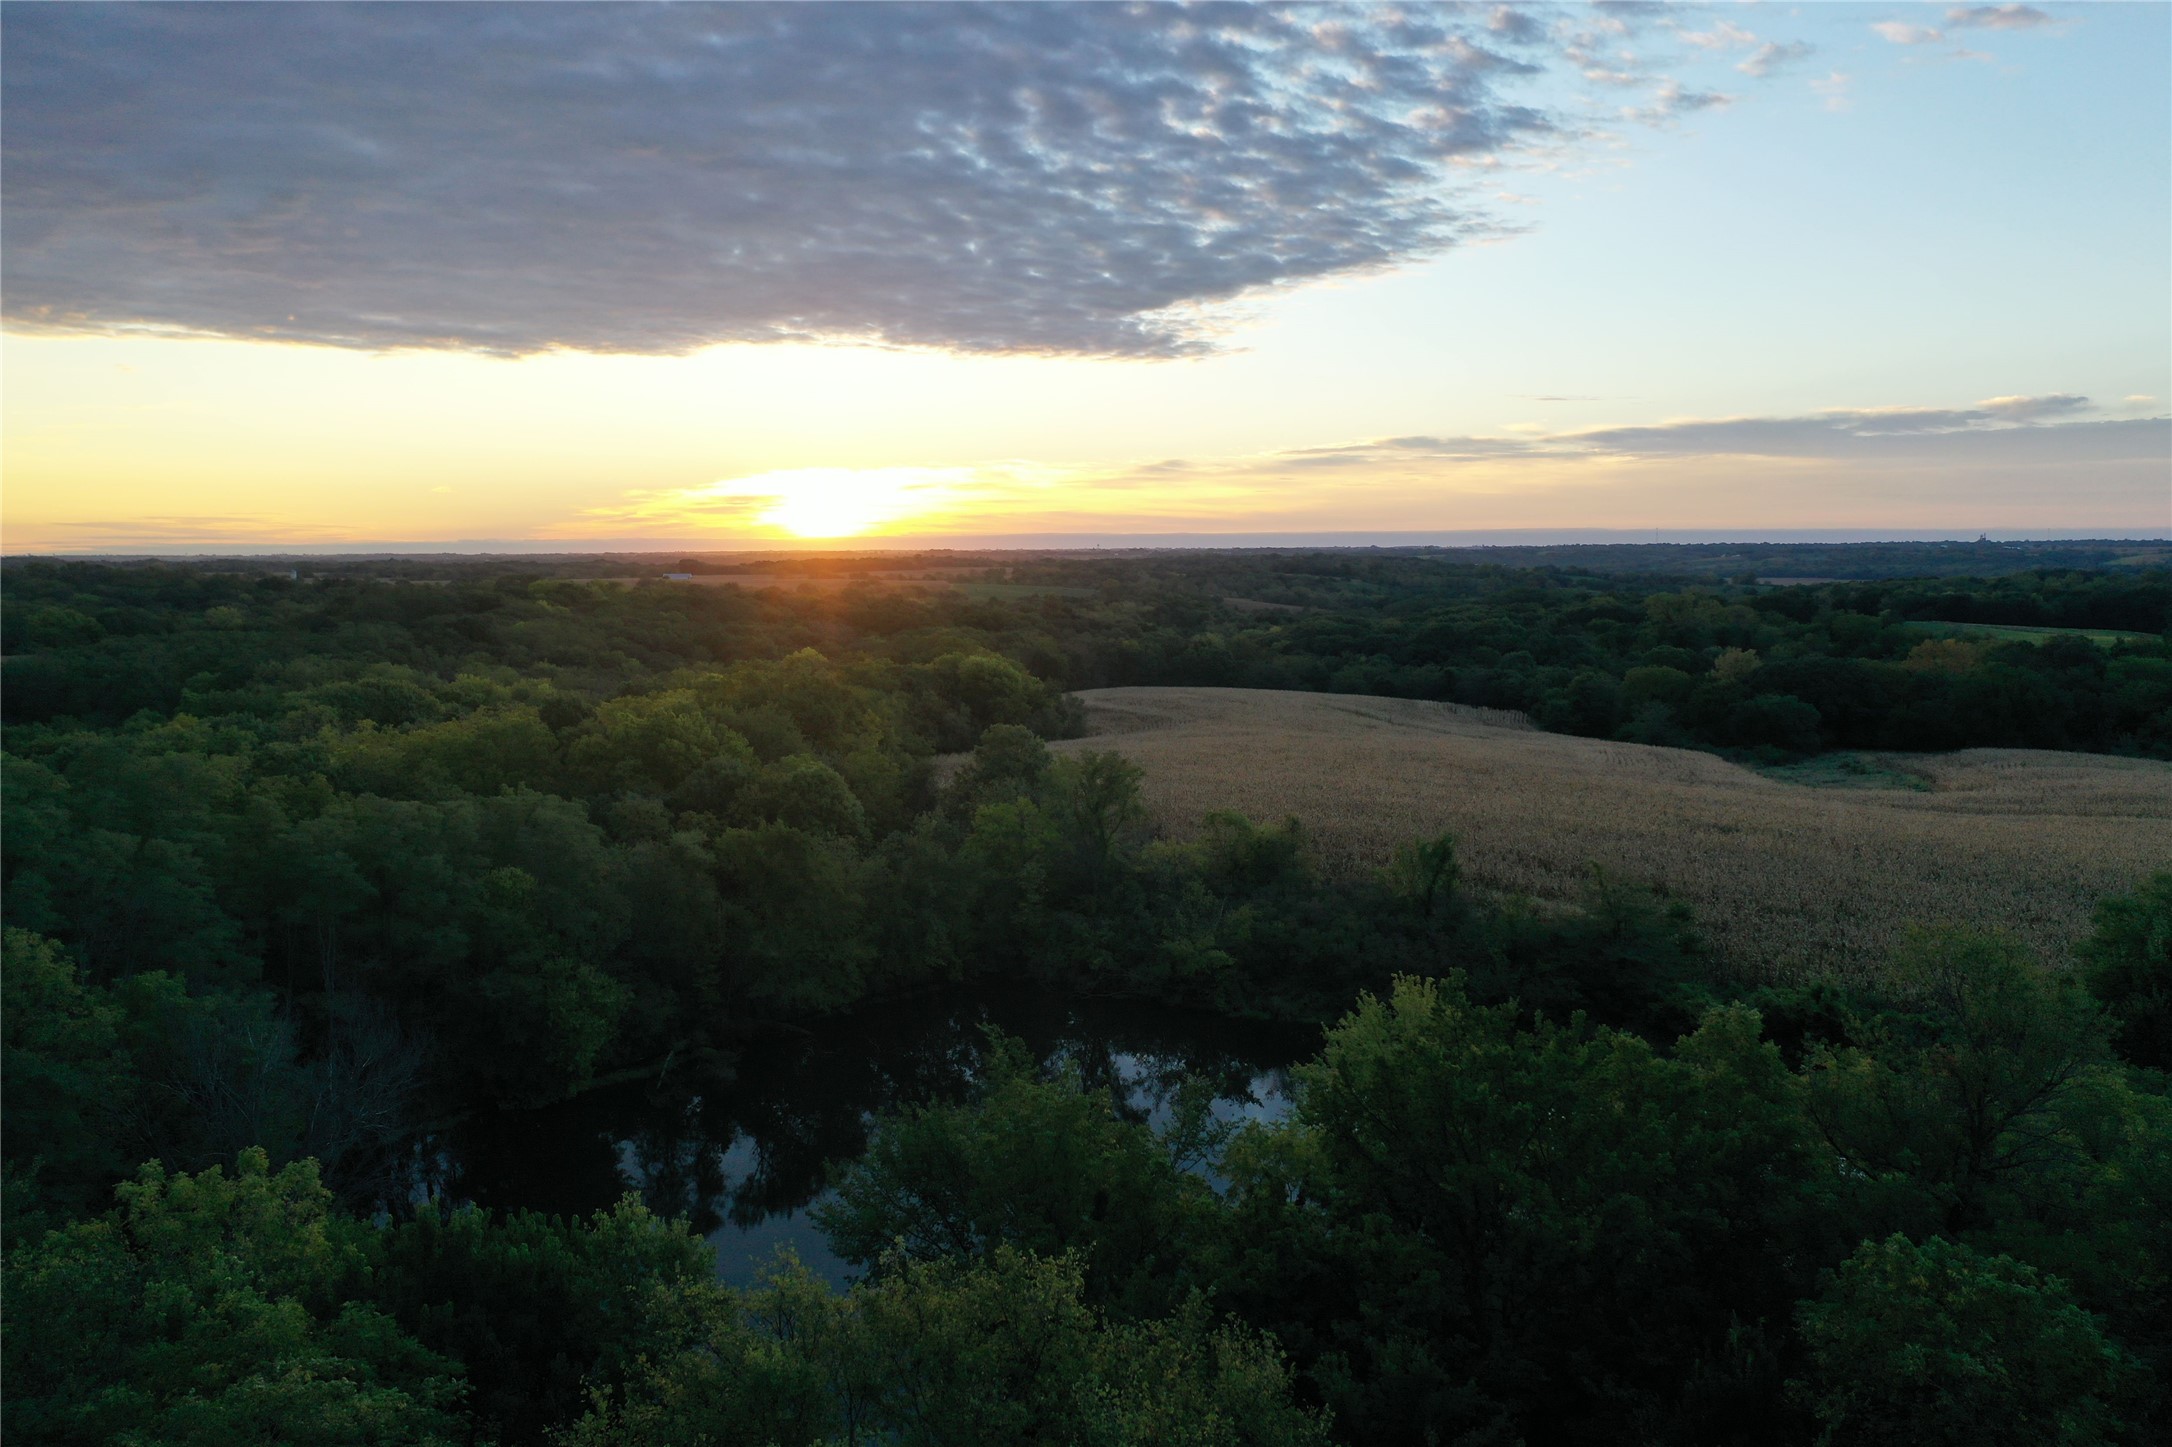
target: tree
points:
(1938, 1346)
(204, 1311)
(1423, 874)
(64, 1073)
(1007, 762)
(1775, 720)
(805, 793)
(1625, 957)
(1042, 1166)
(1002, 1348)
(2127, 963)
(1094, 800)
(1960, 1109)
(533, 1306)
(1542, 1228)
(652, 740)
(793, 902)
(979, 691)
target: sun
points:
(839, 502)
(812, 502)
(820, 503)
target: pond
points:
(745, 1161)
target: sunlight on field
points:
(1788, 879)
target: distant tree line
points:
(1762, 672)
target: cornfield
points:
(1789, 880)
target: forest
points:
(303, 856)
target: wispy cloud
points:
(1900, 32)
(1773, 54)
(2032, 409)
(1834, 88)
(184, 531)
(1996, 17)
(1765, 56)
(2030, 423)
(1965, 17)
(2040, 461)
(1674, 100)
(1726, 35)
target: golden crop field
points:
(1788, 879)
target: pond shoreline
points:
(743, 1154)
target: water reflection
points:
(744, 1159)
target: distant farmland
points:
(1788, 878)
(2024, 632)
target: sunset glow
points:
(808, 502)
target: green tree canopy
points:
(203, 1312)
(1933, 1345)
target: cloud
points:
(1998, 428)
(1405, 450)
(1965, 17)
(1834, 88)
(1724, 36)
(1902, 33)
(180, 531)
(2034, 409)
(2010, 424)
(1996, 17)
(1084, 179)
(1765, 56)
(1516, 27)
(2030, 462)
(1772, 55)
(1673, 99)
(2013, 427)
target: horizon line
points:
(1087, 542)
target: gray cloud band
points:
(2003, 430)
(1040, 178)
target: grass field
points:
(1021, 590)
(2023, 632)
(919, 580)
(1791, 877)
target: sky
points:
(753, 275)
